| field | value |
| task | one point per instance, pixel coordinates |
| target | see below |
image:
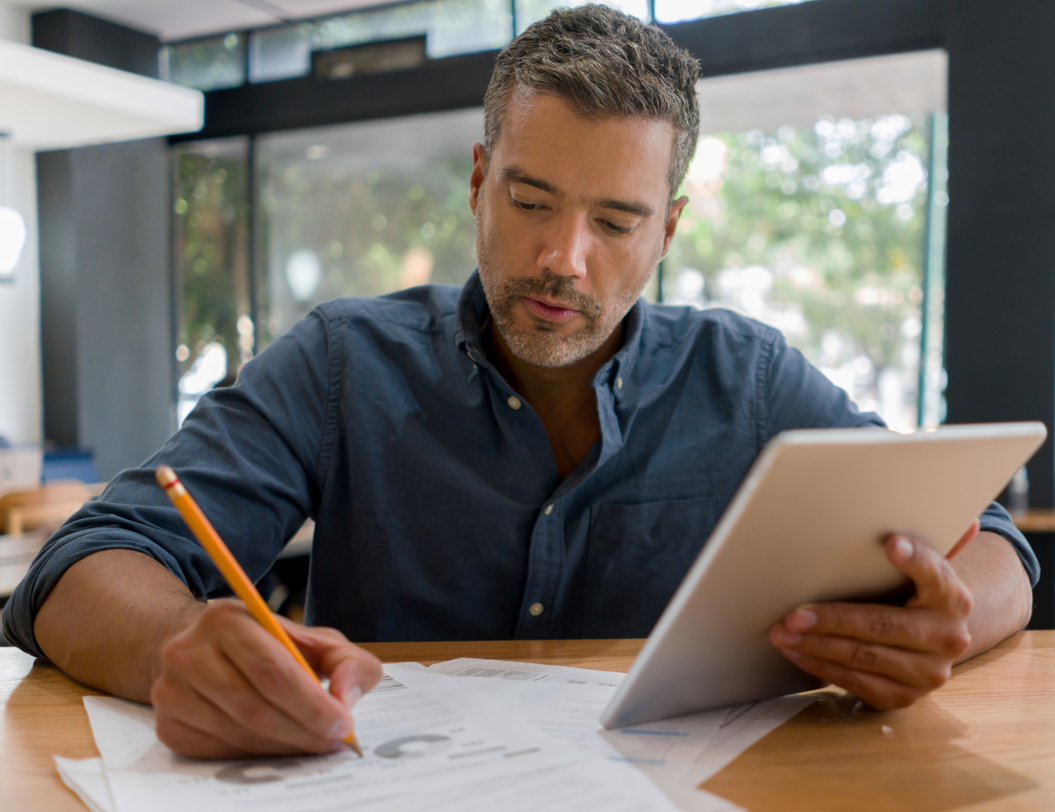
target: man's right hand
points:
(225, 688)
(222, 686)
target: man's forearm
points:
(1000, 590)
(106, 619)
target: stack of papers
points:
(462, 736)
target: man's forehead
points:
(544, 139)
(525, 106)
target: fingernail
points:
(351, 699)
(800, 620)
(903, 549)
(342, 729)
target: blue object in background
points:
(69, 463)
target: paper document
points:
(419, 749)
(676, 755)
(86, 778)
(412, 742)
(461, 736)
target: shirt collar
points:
(473, 313)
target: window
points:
(284, 52)
(211, 221)
(451, 27)
(826, 226)
(206, 64)
(362, 210)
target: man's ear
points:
(476, 178)
(672, 222)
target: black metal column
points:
(1000, 283)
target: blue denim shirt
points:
(440, 514)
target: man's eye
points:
(525, 206)
(615, 228)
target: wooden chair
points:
(43, 508)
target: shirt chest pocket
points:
(637, 556)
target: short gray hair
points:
(602, 63)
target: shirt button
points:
(618, 383)
(514, 402)
(548, 510)
(535, 609)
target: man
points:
(541, 455)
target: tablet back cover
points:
(807, 525)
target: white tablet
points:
(806, 525)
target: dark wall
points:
(1000, 279)
(58, 296)
(84, 37)
(106, 300)
(106, 297)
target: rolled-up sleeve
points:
(248, 454)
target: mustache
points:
(553, 286)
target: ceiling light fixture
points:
(12, 226)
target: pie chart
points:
(418, 746)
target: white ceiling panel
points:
(51, 101)
(183, 19)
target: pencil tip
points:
(354, 745)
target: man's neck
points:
(539, 385)
(561, 396)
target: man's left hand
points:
(889, 656)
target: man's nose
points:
(567, 247)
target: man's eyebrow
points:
(514, 175)
(640, 209)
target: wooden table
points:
(985, 741)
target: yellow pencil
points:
(230, 568)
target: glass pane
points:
(364, 209)
(451, 26)
(280, 53)
(818, 231)
(211, 219)
(675, 11)
(530, 11)
(205, 64)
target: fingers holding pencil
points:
(352, 671)
(227, 689)
(235, 682)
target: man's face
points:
(571, 221)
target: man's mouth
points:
(549, 310)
